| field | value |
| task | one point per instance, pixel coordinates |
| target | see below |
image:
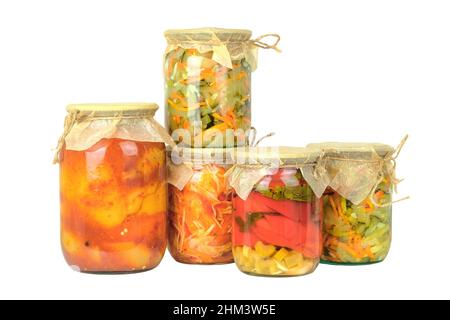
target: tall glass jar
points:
(277, 217)
(208, 86)
(357, 226)
(200, 209)
(113, 188)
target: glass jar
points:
(113, 188)
(277, 217)
(357, 227)
(200, 209)
(208, 85)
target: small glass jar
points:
(208, 85)
(277, 217)
(113, 189)
(200, 208)
(357, 226)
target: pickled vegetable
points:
(356, 234)
(208, 102)
(277, 229)
(281, 262)
(201, 218)
(114, 206)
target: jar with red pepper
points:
(277, 217)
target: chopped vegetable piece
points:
(264, 250)
(281, 254)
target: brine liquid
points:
(114, 206)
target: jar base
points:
(112, 273)
(202, 263)
(282, 275)
(275, 275)
(332, 263)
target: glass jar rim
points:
(201, 34)
(113, 107)
(281, 155)
(353, 150)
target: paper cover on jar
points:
(254, 163)
(355, 169)
(227, 45)
(86, 124)
(182, 161)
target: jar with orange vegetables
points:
(357, 226)
(277, 216)
(113, 188)
(200, 209)
(208, 85)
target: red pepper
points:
(244, 238)
(252, 204)
(287, 223)
(294, 210)
(276, 180)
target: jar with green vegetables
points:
(357, 226)
(208, 85)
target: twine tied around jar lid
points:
(227, 45)
(254, 134)
(69, 122)
(264, 45)
(354, 178)
(391, 174)
(86, 124)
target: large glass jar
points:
(208, 84)
(357, 204)
(277, 217)
(200, 209)
(113, 188)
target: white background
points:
(350, 70)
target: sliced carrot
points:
(241, 75)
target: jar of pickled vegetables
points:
(357, 202)
(200, 209)
(113, 188)
(277, 217)
(208, 85)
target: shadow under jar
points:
(200, 208)
(277, 217)
(208, 86)
(113, 190)
(357, 226)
